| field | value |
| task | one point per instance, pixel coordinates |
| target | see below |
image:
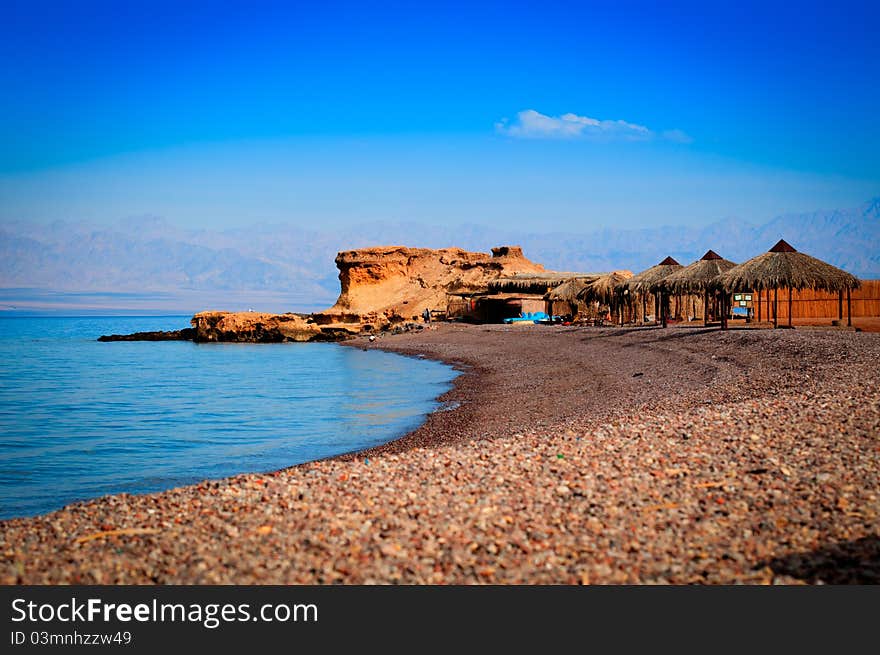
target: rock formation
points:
(256, 327)
(394, 284)
(186, 334)
(382, 288)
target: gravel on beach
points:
(565, 455)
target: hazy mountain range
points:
(147, 264)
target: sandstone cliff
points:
(381, 286)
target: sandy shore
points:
(574, 456)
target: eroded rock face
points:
(382, 288)
(392, 284)
(256, 327)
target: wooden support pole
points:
(789, 306)
(840, 305)
(848, 308)
(775, 306)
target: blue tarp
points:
(532, 317)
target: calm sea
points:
(80, 419)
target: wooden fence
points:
(820, 304)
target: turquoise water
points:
(80, 419)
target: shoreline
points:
(511, 397)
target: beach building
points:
(696, 282)
(710, 289)
(564, 300)
(783, 267)
(648, 285)
(511, 296)
(608, 293)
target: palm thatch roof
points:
(567, 291)
(604, 289)
(648, 281)
(783, 266)
(536, 282)
(699, 276)
(463, 288)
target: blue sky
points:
(560, 115)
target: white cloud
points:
(531, 124)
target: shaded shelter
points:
(698, 278)
(564, 299)
(784, 267)
(608, 289)
(535, 283)
(461, 299)
(650, 282)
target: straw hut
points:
(650, 282)
(460, 298)
(608, 289)
(564, 299)
(698, 278)
(507, 296)
(784, 267)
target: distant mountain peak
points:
(148, 252)
(872, 208)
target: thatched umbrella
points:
(649, 281)
(783, 266)
(607, 289)
(466, 288)
(698, 278)
(567, 292)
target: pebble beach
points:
(562, 455)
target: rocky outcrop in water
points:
(186, 334)
(257, 327)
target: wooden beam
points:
(848, 308)
(775, 306)
(706, 307)
(789, 306)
